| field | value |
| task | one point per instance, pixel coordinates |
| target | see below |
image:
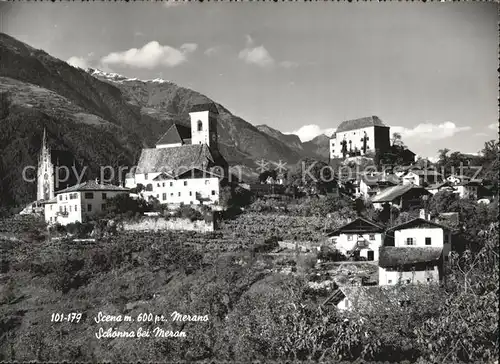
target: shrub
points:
(188, 212)
(327, 253)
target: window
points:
(60, 209)
(185, 183)
(70, 209)
(89, 195)
(104, 196)
(179, 194)
(89, 207)
(158, 184)
(145, 176)
(65, 197)
(149, 187)
(190, 202)
(103, 207)
(445, 258)
(60, 197)
(349, 237)
(428, 241)
(171, 195)
(213, 193)
(158, 196)
(190, 193)
(372, 237)
(200, 125)
(409, 241)
(171, 184)
(389, 281)
(207, 181)
(163, 184)
(76, 208)
(164, 196)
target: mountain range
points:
(106, 119)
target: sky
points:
(428, 70)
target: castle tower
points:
(204, 125)
(45, 172)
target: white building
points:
(193, 187)
(361, 235)
(468, 189)
(78, 203)
(423, 177)
(414, 252)
(186, 165)
(360, 136)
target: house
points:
(372, 299)
(419, 232)
(193, 187)
(185, 164)
(441, 186)
(371, 184)
(455, 179)
(359, 137)
(415, 251)
(79, 202)
(409, 265)
(422, 177)
(403, 197)
(469, 189)
(361, 235)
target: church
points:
(185, 167)
(57, 170)
(359, 137)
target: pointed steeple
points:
(44, 139)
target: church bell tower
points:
(204, 125)
(45, 172)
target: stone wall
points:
(154, 224)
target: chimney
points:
(423, 214)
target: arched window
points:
(200, 125)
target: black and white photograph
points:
(249, 181)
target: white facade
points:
(188, 191)
(390, 276)
(467, 191)
(411, 178)
(203, 128)
(357, 141)
(77, 206)
(369, 243)
(424, 237)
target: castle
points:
(186, 166)
(359, 137)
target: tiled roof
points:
(417, 222)
(175, 134)
(360, 123)
(379, 298)
(92, 186)
(391, 193)
(360, 225)
(390, 256)
(176, 159)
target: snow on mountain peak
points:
(115, 77)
